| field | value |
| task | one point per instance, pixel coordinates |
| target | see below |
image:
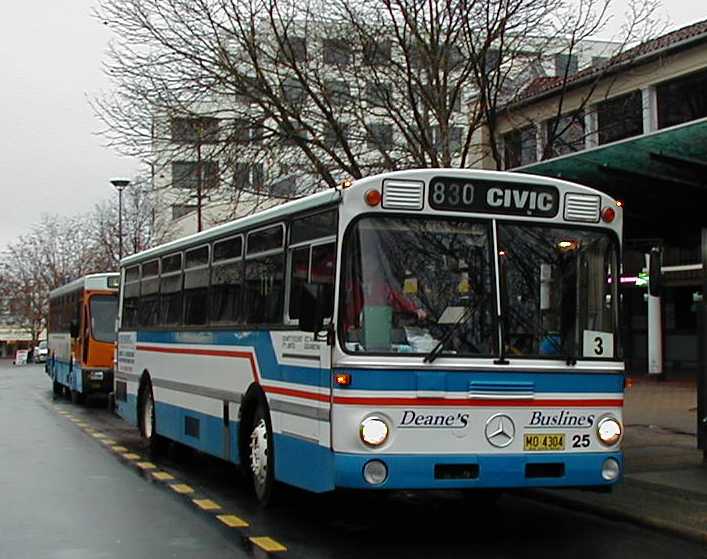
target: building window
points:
(294, 48)
(180, 210)
(566, 63)
(378, 94)
(186, 174)
(620, 117)
(380, 136)
(202, 130)
(454, 138)
(682, 99)
(248, 175)
(337, 52)
(333, 137)
(377, 52)
(520, 147)
(567, 136)
(293, 91)
(337, 92)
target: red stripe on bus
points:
(297, 393)
(209, 352)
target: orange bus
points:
(82, 335)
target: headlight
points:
(374, 431)
(609, 431)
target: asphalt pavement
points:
(64, 496)
(79, 482)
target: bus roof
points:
(330, 196)
(313, 201)
(91, 281)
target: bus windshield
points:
(104, 310)
(558, 298)
(411, 283)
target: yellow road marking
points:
(182, 488)
(232, 521)
(74, 420)
(119, 448)
(99, 435)
(108, 441)
(131, 456)
(268, 544)
(206, 504)
(146, 466)
(89, 429)
(62, 412)
(162, 476)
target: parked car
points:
(40, 352)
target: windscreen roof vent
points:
(403, 195)
(582, 207)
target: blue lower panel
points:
(65, 375)
(207, 434)
(128, 409)
(418, 472)
(304, 464)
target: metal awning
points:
(661, 176)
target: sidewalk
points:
(665, 482)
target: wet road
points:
(119, 507)
(63, 496)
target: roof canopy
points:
(661, 177)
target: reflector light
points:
(620, 203)
(343, 379)
(373, 197)
(608, 214)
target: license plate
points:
(543, 441)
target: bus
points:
(421, 329)
(81, 336)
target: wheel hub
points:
(147, 418)
(259, 452)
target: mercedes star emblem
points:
(500, 430)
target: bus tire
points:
(57, 389)
(76, 397)
(147, 418)
(261, 455)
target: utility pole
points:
(120, 185)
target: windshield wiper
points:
(463, 319)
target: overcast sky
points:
(51, 159)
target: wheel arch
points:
(145, 380)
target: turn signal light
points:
(342, 379)
(608, 214)
(373, 197)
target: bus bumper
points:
(97, 381)
(482, 471)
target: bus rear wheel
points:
(261, 457)
(76, 397)
(57, 388)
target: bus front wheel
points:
(148, 423)
(261, 455)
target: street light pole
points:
(120, 185)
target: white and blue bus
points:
(436, 328)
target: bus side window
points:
(131, 297)
(227, 281)
(196, 286)
(149, 294)
(264, 275)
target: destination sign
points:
(464, 195)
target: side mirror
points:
(317, 303)
(74, 328)
(655, 276)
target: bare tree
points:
(55, 252)
(326, 89)
(141, 226)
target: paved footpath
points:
(62, 497)
(665, 484)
